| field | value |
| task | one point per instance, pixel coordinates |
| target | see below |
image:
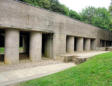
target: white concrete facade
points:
(24, 18)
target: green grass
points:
(1, 50)
(97, 71)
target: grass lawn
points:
(96, 71)
(1, 50)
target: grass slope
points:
(96, 71)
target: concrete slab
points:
(89, 54)
(86, 54)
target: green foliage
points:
(110, 9)
(32, 2)
(99, 17)
(74, 15)
(44, 4)
(97, 71)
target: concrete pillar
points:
(97, 42)
(59, 44)
(35, 46)
(80, 44)
(87, 44)
(70, 44)
(11, 46)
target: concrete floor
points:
(87, 54)
(10, 77)
(10, 74)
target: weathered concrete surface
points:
(93, 44)
(48, 45)
(87, 45)
(88, 54)
(12, 46)
(80, 44)
(21, 17)
(15, 76)
(70, 44)
(59, 44)
(28, 18)
(35, 46)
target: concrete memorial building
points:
(27, 31)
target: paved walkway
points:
(22, 72)
(14, 76)
(87, 54)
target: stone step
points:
(73, 58)
(79, 60)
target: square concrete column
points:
(11, 46)
(35, 46)
(87, 44)
(80, 44)
(70, 44)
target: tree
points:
(32, 2)
(74, 14)
(110, 7)
(57, 7)
(44, 4)
(99, 17)
(88, 14)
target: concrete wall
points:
(26, 17)
(19, 16)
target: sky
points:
(78, 5)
